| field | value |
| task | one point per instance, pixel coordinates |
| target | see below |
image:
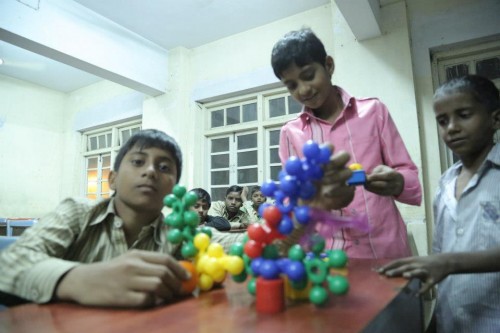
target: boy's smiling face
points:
(465, 125)
(144, 178)
(310, 84)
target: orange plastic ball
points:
(188, 286)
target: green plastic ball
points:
(169, 200)
(252, 286)
(240, 277)
(296, 253)
(188, 250)
(318, 295)
(190, 199)
(236, 249)
(174, 236)
(338, 284)
(337, 259)
(191, 218)
(179, 191)
(270, 252)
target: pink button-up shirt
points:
(367, 132)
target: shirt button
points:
(117, 224)
(356, 241)
(34, 293)
(460, 231)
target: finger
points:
(426, 286)
(136, 299)
(338, 176)
(154, 286)
(167, 261)
(419, 273)
(339, 160)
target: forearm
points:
(472, 262)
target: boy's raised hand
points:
(333, 191)
(384, 180)
(134, 279)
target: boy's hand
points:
(385, 181)
(333, 191)
(135, 279)
(430, 270)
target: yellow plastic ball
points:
(201, 241)
(215, 250)
(355, 166)
(211, 266)
(234, 265)
(205, 282)
(201, 262)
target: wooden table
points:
(373, 304)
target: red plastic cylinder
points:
(270, 295)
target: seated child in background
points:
(202, 206)
(363, 128)
(106, 253)
(232, 209)
(466, 212)
(253, 203)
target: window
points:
(243, 137)
(100, 148)
(483, 59)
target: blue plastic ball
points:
(295, 271)
(293, 166)
(311, 150)
(324, 155)
(255, 265)
(307, 190)
(269, 269)
(289, 185)
(268, 188)
(285, 227)
(302, 214)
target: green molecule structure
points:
(183, 221)
(318, 269)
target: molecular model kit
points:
(305, 271)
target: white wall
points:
(31, 141)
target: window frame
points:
(115, 130)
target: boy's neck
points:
(332, 107)
(472, 162)
(134, 221)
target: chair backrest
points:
(6, 241)
(16, 226)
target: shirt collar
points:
(493, 157)
(348, 101)
(157, 225)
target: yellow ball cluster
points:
(212, 263)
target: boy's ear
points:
(329, 65)
(111, 180)
(495, 116)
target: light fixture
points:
(1, 61)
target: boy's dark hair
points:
(148, 139)
(203, 195)
(254, 189)
(481, 88)
(301, 47)
(234, 188)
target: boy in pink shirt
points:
(363, 128)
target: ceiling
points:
(167, 23)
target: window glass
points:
(247, 141)
(247, 175)
(293, 105)
(247, 158)
(249, 112)
(277, 107)
(217, 118)
(220, 145)
(233, 115)
(489, 68)
(220, 177)
(220, 161)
